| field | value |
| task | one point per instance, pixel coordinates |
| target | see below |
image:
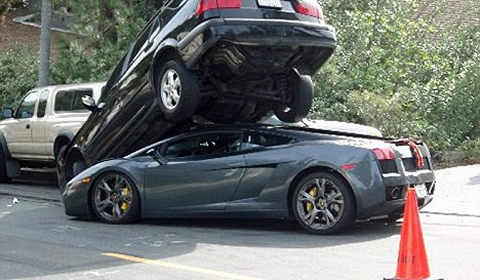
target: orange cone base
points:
(412, 258)
(407, 279)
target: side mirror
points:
(91, 105)
(7, 113)
(157, 156)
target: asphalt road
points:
(37, 241)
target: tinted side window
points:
(253, 140)
(27, 106)
(71, 100)
(205, 144)
(116, 74)
(141, 40)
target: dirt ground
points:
(16, 34)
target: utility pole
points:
(46, 17)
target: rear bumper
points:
(383, 194)
(395, 208)
(315, 42)
(393, 205)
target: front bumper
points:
(75, 199)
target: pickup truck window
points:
(71, 100)
(27, 107)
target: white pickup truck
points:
(45, 121)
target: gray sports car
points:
(324, 181)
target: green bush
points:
(471, 148)
(107, 28)
(402, 72)
(18, 74)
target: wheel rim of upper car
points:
(170, 89)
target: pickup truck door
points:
(18, 130)
(40, 144)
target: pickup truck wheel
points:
(3, 167)
(115, 199)
(301, 101)
(177, 91)
(322, 203)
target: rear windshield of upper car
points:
(71, 100)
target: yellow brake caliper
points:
(313, 192)
(125, 193)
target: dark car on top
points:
(221, 60)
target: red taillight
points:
(309, 8)
(384, 153)
(205, 5)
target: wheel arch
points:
(313, 169)
(73, 155)
(3, 145)
(63, 138)
(166, 53)
(12, 166)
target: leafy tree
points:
(107, 28)
(18, 74)
(397, 69)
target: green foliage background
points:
(399, 66)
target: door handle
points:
(27, 126)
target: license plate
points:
(270, 3)
(421, 190)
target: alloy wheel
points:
(114, 199)
(323, 204)
(171, 89)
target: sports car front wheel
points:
(323, 204)
(115, 199)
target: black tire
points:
(77, 167)
(301, 101)
(114, 199)
(323, 203)
(177, 91)
(61, 181)
(3, 167)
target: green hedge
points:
(18, 74)
(405, 74)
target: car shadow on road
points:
(271, 233)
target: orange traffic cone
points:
(412, 261)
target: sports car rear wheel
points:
(323, 204)
(177, 91)
(115, 199)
